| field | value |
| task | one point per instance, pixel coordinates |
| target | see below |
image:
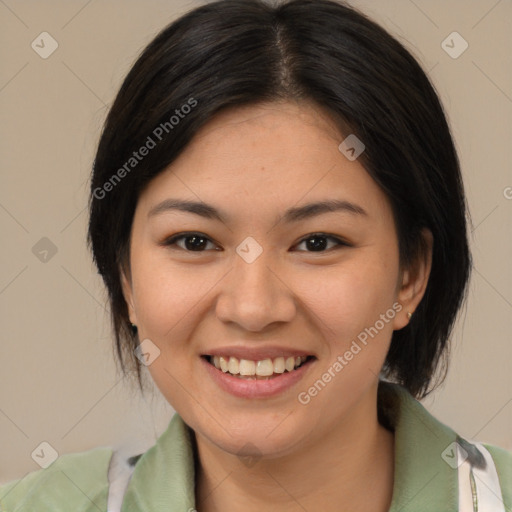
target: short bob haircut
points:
(231, 53)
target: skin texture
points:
(253, 163)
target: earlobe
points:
(415, 280)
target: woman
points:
(278, 215)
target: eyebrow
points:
(295, 214)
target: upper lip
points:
(257, 354)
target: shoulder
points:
(76, 481)
(502, 458)
(458, 468)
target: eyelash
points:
(173, 239)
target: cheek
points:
(166, 293)
(168, 300)
(352, 297)
(348, 302)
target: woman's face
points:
(260, 274)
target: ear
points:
(126, 285)
(414, 280)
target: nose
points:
(254, 295)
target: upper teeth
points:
(264, 367)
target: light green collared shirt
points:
(426, 479)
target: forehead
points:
(272, 115)
(262, 157)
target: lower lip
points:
(246, 388)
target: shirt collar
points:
(423, 480)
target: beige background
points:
(58, 380)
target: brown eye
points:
(317, 242)
(193, 242)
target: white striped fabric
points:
(479, 485)
(119, 474)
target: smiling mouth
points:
(264, 369)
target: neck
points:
(349, 468)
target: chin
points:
(267, 436)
